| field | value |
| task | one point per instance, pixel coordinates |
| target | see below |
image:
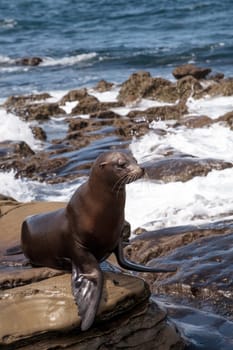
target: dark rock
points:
(190, 69)
(10, 149)
(30, 61)
(203, 278)
(40, 112)
(103, 86)
(106, 115)
(39, 133)
(183, 169)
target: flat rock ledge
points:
(38, 309)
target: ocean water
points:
(82, 42)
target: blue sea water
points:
(82, 42)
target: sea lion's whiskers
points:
(119, 182)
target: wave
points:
(8, 23)
(14, 129)
(68, 61)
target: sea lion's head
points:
(116, 169)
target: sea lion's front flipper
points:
(129, 265)
(87, 285)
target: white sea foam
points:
(68, 61)
(25, 190)
(213, 107)
(215, 141)
(14, 129)
(202, 199)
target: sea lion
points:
(85, 232)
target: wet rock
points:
(9, 149)
(28, 107)
(74, 95)
(30, 61)
(162, 90)
(223, 87)
(13, 102)
(193, 122)
(103, 86)
(203, 278)
(183, 168)
(90, 104)
(40, 112)
(188, 86)
(134, 87)
(167, 112)
(39, 133)
(190, 69)
(227, 119)
(106, 115)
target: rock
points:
(103, 86)
(182, 168)
(195, 121)
(9, 149)
(39, 133)
(134, 87)
(90, 104)
(40, 112)
(203, 276)
(25, 107)
(30, 61)
(167, 112)
(14, 102)
(227, 119)
(40, 310)
(188, 86)
(162, 90)
(74, 95)
(222, 87)
(190, 69)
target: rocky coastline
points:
(203, 254)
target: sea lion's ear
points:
(102, 165)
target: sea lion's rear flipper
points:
(87, 285)
(129, 265)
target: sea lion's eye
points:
(121, 164)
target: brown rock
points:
(188, 86)
(39, 133)
(161, 113)
(162, 90)
(135, 87)
(74, 95)
(10, 149)
(103, 86)
(227, 119)
(183, 169)
(190, 69)
(90, 104)
(195, 122)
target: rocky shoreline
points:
(203, 254)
